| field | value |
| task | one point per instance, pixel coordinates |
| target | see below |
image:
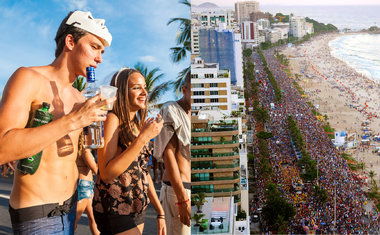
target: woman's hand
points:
(152, 127)
(161, 226)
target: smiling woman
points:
(124, 187)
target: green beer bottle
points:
(42, 116)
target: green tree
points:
(277, 210)
(261, 114)
(198, 218)
(320, 194)
(264, 135)
(247, 53)
(183, 42)
(152, 78)
(198, 200)
(371, 174)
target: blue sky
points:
(229, 3)
(138, 28)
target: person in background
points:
(173, 146)
(87, 166)
(123, 187)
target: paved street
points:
(83, 229)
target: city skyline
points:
(230, 3)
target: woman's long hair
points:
(121, 106)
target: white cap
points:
(85, 21)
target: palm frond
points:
(158, 91)
(185, 2)
(80, 83)
(177, 84)
(183, 46)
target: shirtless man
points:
(45, 202)
(173, 145)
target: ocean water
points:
(360, 51)
(351, 17)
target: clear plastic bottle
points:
(93, 134)
(41, 117)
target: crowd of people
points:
(335, 177)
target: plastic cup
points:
(107, 92)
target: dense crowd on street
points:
(335, 176)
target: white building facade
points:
(249, 31)
(297, 26)
(210, 86)
(244, 8)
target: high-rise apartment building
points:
(222, 47)
(243, 10)
(215, 165)
(194, 40)
(210, 86)
(249, 31)
(214, 18)
(297, 27)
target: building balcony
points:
(208, 132)
(216, 182)
(213, 166)
(216, 129)
(195, 142)
(215, 170)
(201, 158)
(224, 190)
(214, 146)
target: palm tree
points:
(371, 174)
(155, 91)
(183, 42)
(198, 218)
(199, 199)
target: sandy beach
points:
(345, 96)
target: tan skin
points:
(56, 178)
(113, 161)
(86, 173)
(177, 168)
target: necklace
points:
(134, 128)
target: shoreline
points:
(344, 95)
(370, 78)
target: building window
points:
(194, 75)
(198, 93)
(213, 84)
(214, 92)
(195, 101)
(214, 100)
(198, 85)
(209, 75)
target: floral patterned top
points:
(128, 193)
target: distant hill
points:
(206, 5)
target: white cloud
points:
(147, 58)
(77, 4)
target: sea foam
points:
(359, 51)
